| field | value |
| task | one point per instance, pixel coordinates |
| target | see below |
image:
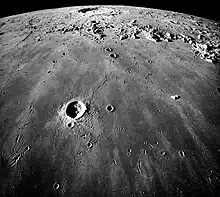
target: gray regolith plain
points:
(109, 101)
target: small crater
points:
(110, 108)
(108, 49)
(129, 152)
(113, 55)
(79, 153)
(89, 144)
(49, 72)
(181, 153)
(75, 109)
(163, 153)
(56, 186)
(175, 97)
(83, 135)
(69, 124)
(27, 148)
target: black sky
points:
(207, 9)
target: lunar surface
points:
(109, 101)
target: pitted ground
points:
(133, 150)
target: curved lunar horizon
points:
(109, 101)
